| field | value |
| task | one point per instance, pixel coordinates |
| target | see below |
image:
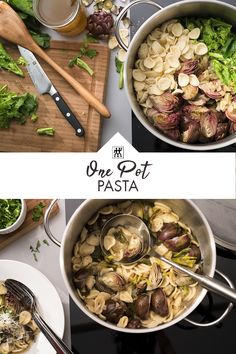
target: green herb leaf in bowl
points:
(10, 210)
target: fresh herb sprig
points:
(37, 212)
(35, 250)
(77, 60)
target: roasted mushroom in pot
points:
(159, 303)
(178, 243)
(142, 305)
(114, 310)
(110, 282)
(168, 231)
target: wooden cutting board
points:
(28, 225)
(24, 138)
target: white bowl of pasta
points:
(143, 297)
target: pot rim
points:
(184, 314)
(231, 139)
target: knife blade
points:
(44, 86)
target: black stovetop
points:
(90, 338)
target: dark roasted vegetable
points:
(81, 277)
(178, 243)
(194, 251)
(231, 115)
(100, 23)
(163, 121)
(191, 130)
(189, 67)
(173, 134)
(209, 89)
(209, 125)
(232, 128)
(166, 103)
(134, 324)
(168, 231)
(194, 112)
(142, 306)
(159, 303)
(110, 282)
(221, 131)
(114, 310)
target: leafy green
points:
(120, 70)
(15, 107)
(88, 52)
(42, 39)
(184, 259)
(46, 131)
(10, 210)
(21, 61)
(221, 43)
(8, 63)
(37, 212)
(89, 38)
(25, 6)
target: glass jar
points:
(65, 16)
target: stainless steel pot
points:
(180, 9)
(186, 209)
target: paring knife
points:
(44, 85)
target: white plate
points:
(49, 302)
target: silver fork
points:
(27, 299)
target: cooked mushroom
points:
(134, 324)
(194, 251)
(159, 303)
(114, 310)
(110, 282)
(142, 305)
(178, 243)
(168, 231)
(81, 277)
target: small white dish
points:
(48, 300)
(18, 222)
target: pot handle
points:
(123, 12)
(225, 313)
(46, 223)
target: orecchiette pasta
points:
(129, 295)
(175, 73)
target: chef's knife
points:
(44, 85)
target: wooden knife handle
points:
(88, 97)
